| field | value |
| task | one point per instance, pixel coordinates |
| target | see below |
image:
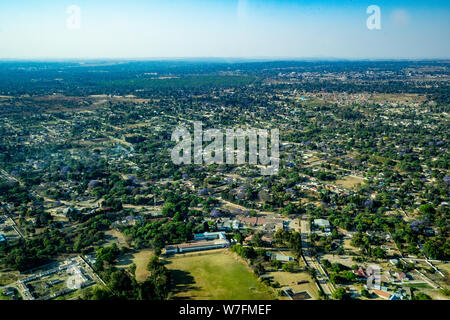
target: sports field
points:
(215, 275)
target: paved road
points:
(311, 261)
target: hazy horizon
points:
(223, 29)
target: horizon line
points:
(250, 58)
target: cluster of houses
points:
(382, 291)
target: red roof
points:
(360, 272)
(382, 294)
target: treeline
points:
(121, 284)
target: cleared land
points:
(289, 280)
(140, 259)
(215, 275)
(349, 182)
(8, 277)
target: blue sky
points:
(224, 28)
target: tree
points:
(289, 267)
(132, 269)
(422, 296)
(238, 237)
(379, 253)
(257, 240)
(340, 293)
(259, 269)
(365, 293)
(326, 263)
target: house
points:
(225, 225)
(279, 257)
(399, 295)
(361, 273)
(393, 261)
(401, 276)
(2, 238)
(267, 238)
(322, 223)
(382, 294)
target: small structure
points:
(322, 223)
(361, 273)
(279, 257)
(393, 261)
(401, 276)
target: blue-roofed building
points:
(2, 238)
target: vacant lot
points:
(140, 259)
(349, 182)
(214, 275)
(289, 280)
(8, 277)
(117, 237)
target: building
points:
(209, 236)
(322, 223)
(279, 257)
(2, 238)
(393, 261)
(202, 245)
(382, 294)
(361, 273)
(401, 276)
(227, 225)
(202, 241)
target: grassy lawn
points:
(214, 275)
(2, 297)
(417, 285)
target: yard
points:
(289, 280)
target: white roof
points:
(322, 222)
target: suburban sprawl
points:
(92, 206)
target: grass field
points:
(3, 298)
(417, 285)
(215, 275)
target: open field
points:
(289, 280)
(405, 98)
(214, 275)
(141, 259)
(434, 294)
(115, 236)
(8, 277)
(349, 182)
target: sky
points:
(44, 29)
